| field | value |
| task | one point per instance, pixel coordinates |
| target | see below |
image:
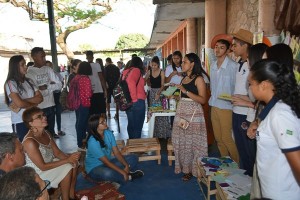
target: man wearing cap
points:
(222, 81)
(242, 41)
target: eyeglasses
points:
(47, 186)
(40, 116)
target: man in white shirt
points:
(222, 81)
(242, 41)
(98, 105)
(47, 82)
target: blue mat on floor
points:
(161, 183)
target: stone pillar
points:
(266, 13)
(191, 36)
(215, 19)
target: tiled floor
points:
(68, 142)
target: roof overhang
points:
(169, 15)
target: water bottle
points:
(165, 103)
(172, 104)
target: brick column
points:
(215, 19)
(191, 36)
(266, 12)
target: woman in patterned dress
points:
(190, 143)
(162, 127)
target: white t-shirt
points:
(42, 76)
(175, 79)
(95, 80)
(241, 87)
(279, 132)
(27, 92)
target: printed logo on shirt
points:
(244, 126)
(289, 132)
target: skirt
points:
(191, 143)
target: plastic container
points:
(172, 104)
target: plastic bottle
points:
(172, 104)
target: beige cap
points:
(244, 35)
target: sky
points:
(128, 16)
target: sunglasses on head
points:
(40, 116)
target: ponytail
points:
(283, 80)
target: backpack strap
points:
(127, 74)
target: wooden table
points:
(230, 182)
(205, 179)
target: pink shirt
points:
(85, 89)
(135, 83)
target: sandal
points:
(187, 177)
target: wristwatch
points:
(186, 92)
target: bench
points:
(144, 146)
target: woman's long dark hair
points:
(137, 63)
(256, 53)
(92, 129)
(281, 53)
(197, 69)
(283, 80)
(15, 74)
(176, 53)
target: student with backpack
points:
(136, 113)
(79, 99)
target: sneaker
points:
(61, 133)
(136, 174)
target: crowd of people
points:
(257, 125)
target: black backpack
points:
(121, 93)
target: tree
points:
(70, 16)
(132, 40)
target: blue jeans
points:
(136, 118)
(246, 147)
(58, 109)
(21, 130)
(82, 116)
(104, 173)
(50, 113)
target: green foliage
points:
(132, 40)
(85, 47)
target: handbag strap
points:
(193, 115)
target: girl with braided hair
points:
(278, 133)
